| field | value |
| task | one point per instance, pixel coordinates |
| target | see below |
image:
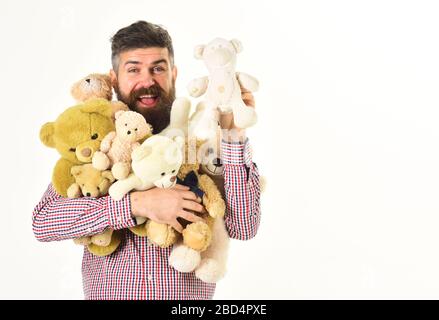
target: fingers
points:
(190, 216)
(189, 195)
(248, 98)
(192, 205)
(176, 225)
(180, 187)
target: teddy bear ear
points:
(198, 51)
(118, 114)
(46, 134)
(76, 170)
(141, 152)
(237, 45)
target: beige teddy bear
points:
(96, 85)
(117, 146)
(90, 182)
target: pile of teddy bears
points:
(107, 149)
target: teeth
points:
(147, 96)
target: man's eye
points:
(158, 69)
(133, 70)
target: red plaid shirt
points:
(139, 269)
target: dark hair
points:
(140, 34)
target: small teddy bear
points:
(96, 85)
(222, 86)
(90, 182)
(116, 147)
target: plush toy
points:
(116, 147)
(90, 182)
(76, 134)
(204, 244)
(222, 86)
(155, 163)
(96, 85)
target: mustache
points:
(154, 90)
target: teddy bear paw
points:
(101, 241)
(83, 241)
(100, 161)
(217, 211)
(184, 259)
(210, 271)
(120, 170)
(74, 191)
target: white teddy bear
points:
(155, 163)
(222, 86)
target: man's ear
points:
(46, 134)
(174, 73)
(198, 51)
(113, 77)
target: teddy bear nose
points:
(173, 179)
(129, 132)
(86, 152)
(88, 194)
(217, 162)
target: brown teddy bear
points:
(117, 146)
(96, 85)
(90, 182)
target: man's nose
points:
(146, 82)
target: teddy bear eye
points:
(95, 136)
(163, 174)
(126, 124)
(72, 149)
(99, 189)
(173, 171)
(135, 129)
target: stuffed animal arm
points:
(198, 86)
(106, 142)
(248, 82)
(119, 189)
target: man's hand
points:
(233, 133)
(166, 205)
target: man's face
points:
(145, 81)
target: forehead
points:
(144, 55)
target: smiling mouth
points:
(148, 100)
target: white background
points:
(347, 138)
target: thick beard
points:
(159, 116)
